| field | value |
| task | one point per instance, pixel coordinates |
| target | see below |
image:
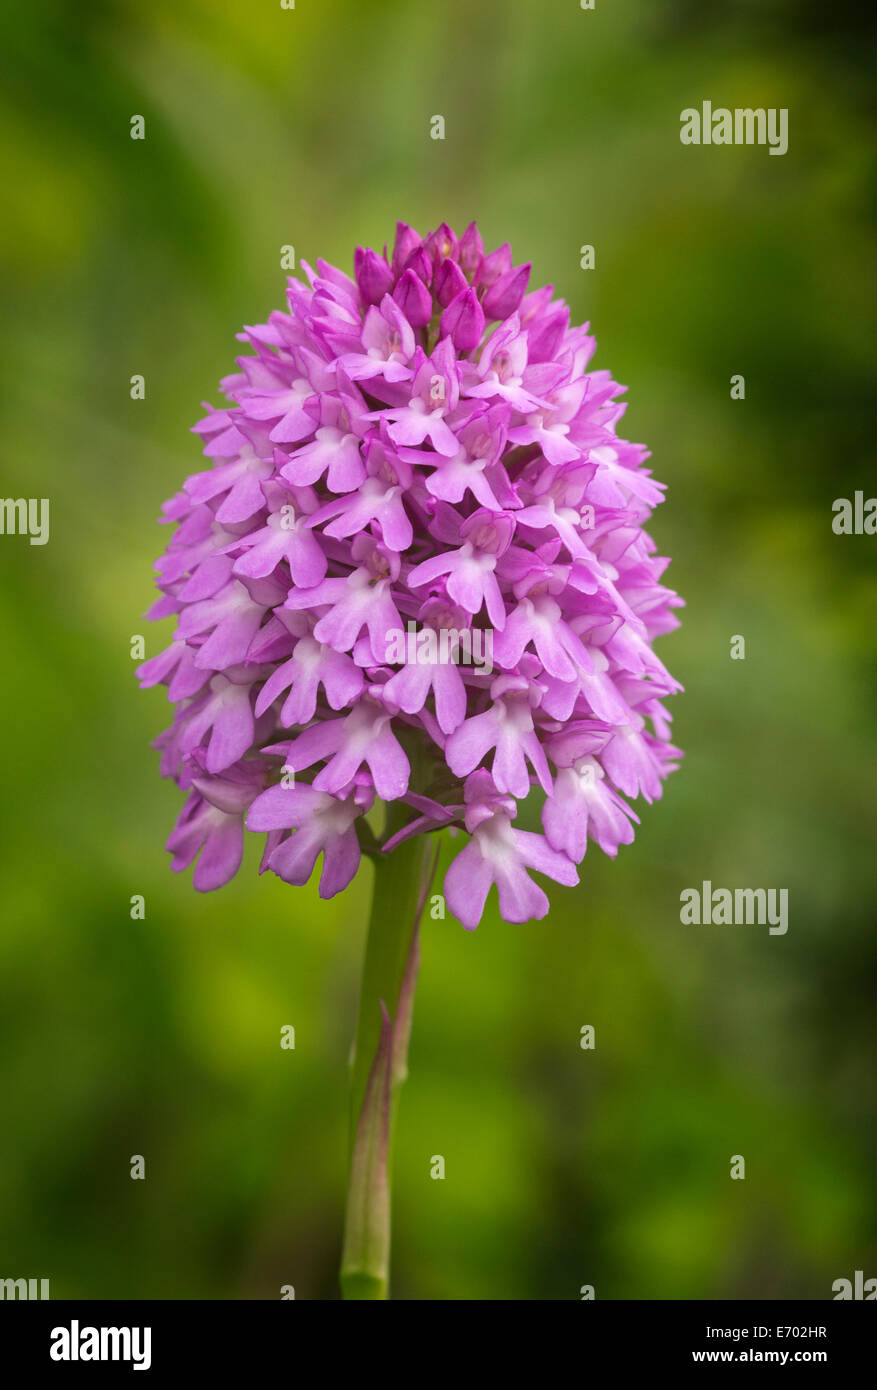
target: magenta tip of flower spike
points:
(419, 531)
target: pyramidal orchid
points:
(414, 573)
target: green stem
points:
(380, 1062)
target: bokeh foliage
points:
(310, 127)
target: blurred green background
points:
(310, 127)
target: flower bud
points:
(495, 265)
(471, 251)
(414, 299)
(441, 244)
(407, 241)
(463, 321)
(373, 276)
(448, 283)
(420, 263)
(504, 296)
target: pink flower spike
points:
(414, 567)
